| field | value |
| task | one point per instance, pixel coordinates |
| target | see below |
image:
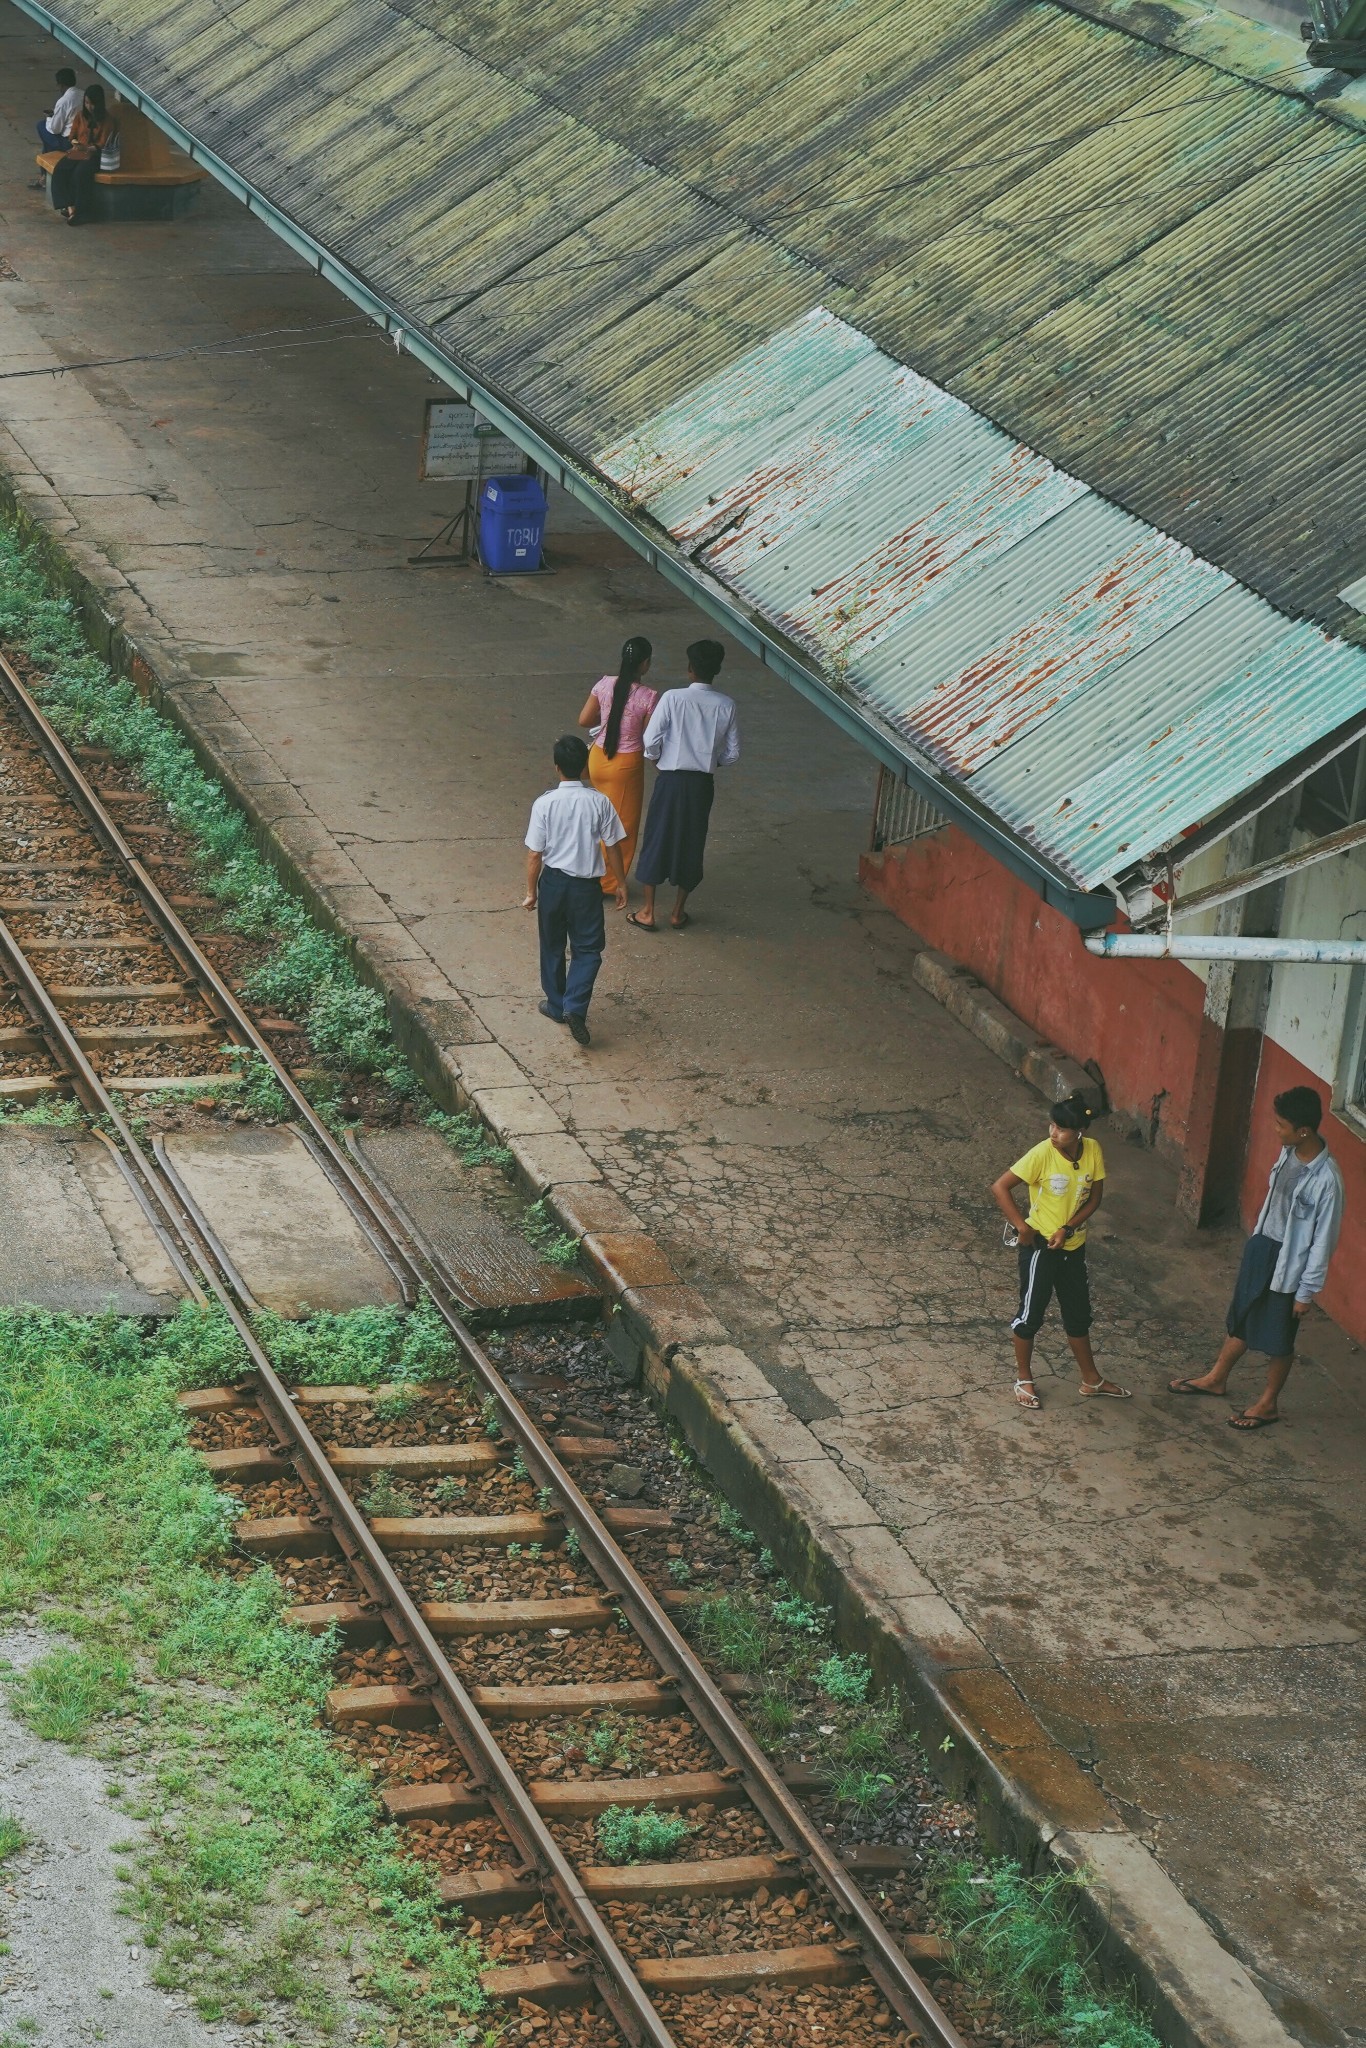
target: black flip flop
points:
(1189, 1387)
(639, 923)
(1246, 1422)
(678, 923)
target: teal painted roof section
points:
(1090, 682)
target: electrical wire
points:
(358, 323)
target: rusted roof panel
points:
(1086, 678)
(1253, 713)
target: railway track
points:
(592, 1945)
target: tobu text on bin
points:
(512, 513)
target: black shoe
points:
(553, 1015)
(578, 1027)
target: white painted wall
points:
(1308, 1008)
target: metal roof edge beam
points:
(1089, 909)
(1280, 867)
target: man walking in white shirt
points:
(570, 827)
(691, 733)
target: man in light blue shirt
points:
(1285, 1261)
(691, 733)
(568, 829)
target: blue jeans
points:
(47, 140)
(569, 910)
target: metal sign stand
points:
(457, 445)
(444, 537)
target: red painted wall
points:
(1140, 1020)
(1344, 1297)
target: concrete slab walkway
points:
(74, 1238)
(1148, 1625)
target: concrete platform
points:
(74, 1239)
(1140, 1629)
(280, 1220)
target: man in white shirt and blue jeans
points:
(54, 130)
(691, 734)
(569, 828)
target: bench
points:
(153, 182)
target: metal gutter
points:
(1166, 946)
(1091, 910)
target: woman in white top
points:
(618, 710)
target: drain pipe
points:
(1168, 946)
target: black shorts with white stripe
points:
(1042, 1275)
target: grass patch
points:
(790, 1611)
(309, 975)
(12, 1837)
(1016, 1938)
(109, 1523)
(467, 1138)
(641, 1834)
(738, 1632)
(63, 1693)
(845, 1679)
(614, 1742)
(255, 1087)
(49, 1113)
(388, 1496)
(541, 1231)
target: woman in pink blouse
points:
(619, 711)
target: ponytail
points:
(634, 656)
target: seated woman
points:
(618, 710)
(94, 147)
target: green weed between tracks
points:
(186, 1676)
(641, 1834)
(1014, 1938)
(309, 976)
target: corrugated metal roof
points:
(1143, 265)
(1146, 267)
(1084, 677)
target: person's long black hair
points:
(634, 656)
(94, 100)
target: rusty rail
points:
(191, 1246)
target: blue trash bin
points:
(512, 513)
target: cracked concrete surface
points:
(777, 1100)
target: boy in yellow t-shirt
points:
(1065, 1176)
